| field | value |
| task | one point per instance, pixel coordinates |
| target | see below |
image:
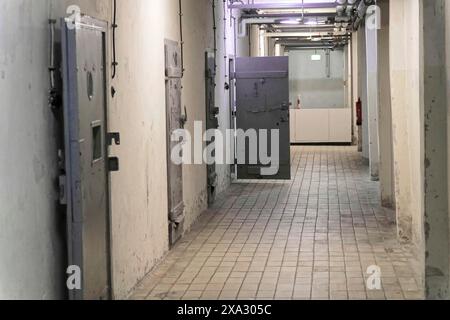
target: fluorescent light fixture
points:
(290, 21)
(316, 57)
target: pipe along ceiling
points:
(303, 23)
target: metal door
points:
(175, 121)
(232, 97)
(87, 191)
(211, 119)
(263, 104)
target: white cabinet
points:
(321, 126)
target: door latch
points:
(114, 138)
(113, 164)
(285, 106)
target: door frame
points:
(71, 128)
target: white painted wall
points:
(406, 57)
(308, 79)
(31, 229)
(139, 196)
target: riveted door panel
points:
(84, 77)
(173, 70)
(212, 121)
(262, 94)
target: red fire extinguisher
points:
(359, 117)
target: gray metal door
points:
(232, 97)
(262, 89)
(211, 119)
(87, 191)
(175, 120)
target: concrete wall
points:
(447, 41)
(32, 236)
(373, 100)
(227, 48)
(436, 155)
(198, 37)
(419, 60)
(139, 197)
(308, 79)
(406, 58)
(362, 89)
(386, 169)
(407, 101)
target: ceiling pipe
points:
(346, 12)
(296, 34)
(246, 22)
(274, 5)
(329, 29)
(305, 40)
(287, 15)
(361, 12)
(310, 48)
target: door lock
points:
(113, 162)
(285, 106)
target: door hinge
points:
(113, 164)
(62, 190)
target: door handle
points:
(113, 163)
(285, 106)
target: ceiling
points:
(297, 24)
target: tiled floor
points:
(311, 238)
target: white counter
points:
(321, 125)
